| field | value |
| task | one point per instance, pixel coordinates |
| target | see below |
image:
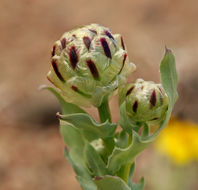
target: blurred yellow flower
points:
(179, 141)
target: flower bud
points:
(146, 102)
(89, 63)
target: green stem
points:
(104, 111)
(125, 170)
(130, 139)
(105, 114)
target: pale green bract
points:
(88, 64)
(145, 101)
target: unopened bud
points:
(89, 63)
(146, 101)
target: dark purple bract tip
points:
(87, 42)
(63, 43)
(96, 178)
(153, 99)
(93, 69)
(130, 90)
(135, 106)
(74, 88)
(73, 57)
(123, 62)
(53, 50)
(122, 43)
(58, 74)
(106, 48)
(109, 34)
(93, 31)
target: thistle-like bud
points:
(89, 63)
(146, 101)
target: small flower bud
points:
(146, 101)
(98, 145)
(89, 63)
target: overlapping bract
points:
(89, 63)
(145, 101)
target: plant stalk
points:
(125, 170)
(104, 111)
(105, 114)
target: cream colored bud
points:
(89, 63)
(146, 101)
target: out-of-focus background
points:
(31, 149)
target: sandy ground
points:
(31, 150)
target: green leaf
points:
(122, 90)
(80, 170)
(168, 75)
(111, 182)
(134, 186)
(145, 133)
(76, 142)
(132, 169)
(120, 157)
(67, 108)
(94, 161)
(104, 111)
(87, 184)
(169, 80)
(122, 139)
(88, 126)
(125, 122)
(83, 176)
(138, 186)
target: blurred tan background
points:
(31, 150)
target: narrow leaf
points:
(122, 139)
(126, 123)
(88, 126)
(76, 143)
(87, 184)
(83, 176)
(94, 161)
(79, 169)
(138, 186)
(120, 157)
(111, 182)
(67, 108)
(169, 80)
(168, 75)
(132, 170)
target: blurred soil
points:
(31, 149)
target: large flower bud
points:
(146, 102)
(89, 63)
